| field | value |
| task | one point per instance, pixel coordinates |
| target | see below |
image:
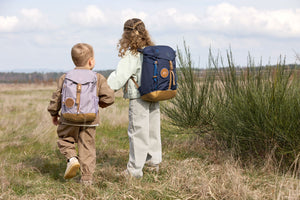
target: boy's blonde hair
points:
(81, 53)
(135, 36)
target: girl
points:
(144, 117)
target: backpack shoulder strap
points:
(135, 83)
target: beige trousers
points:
(144, 135)
(85, 138)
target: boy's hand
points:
(104, 105)
(55, 120)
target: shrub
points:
(255, 110)
(259, 109)
(189, 109)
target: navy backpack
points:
(158, 78)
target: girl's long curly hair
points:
(135, 36)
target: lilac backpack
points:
(79, 96)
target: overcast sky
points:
(38, 35)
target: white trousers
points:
(144, 135)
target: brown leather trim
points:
(88, 117)
(159, 95)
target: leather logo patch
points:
(164, 72)
(69, 102)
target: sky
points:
(38, 35)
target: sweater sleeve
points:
(126, 67)
(55, 102)
(105, 93)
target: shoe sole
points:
(72, 171)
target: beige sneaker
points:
(72, 168)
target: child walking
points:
(82, 133)
(144, 117)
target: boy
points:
(83, 134)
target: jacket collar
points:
(82, 68)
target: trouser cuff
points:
(71, 156)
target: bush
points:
(258, 111)
(254, 110)
(190, 107)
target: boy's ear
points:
(91, 63)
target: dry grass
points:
(116, 114)
(193, 168)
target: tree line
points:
(49, 77)
(36, 77)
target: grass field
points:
(193, 167)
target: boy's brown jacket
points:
(105, 94)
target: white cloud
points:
(129, 13)
(248, 20)
(182, 18)
(8, 24)
(92, 16)
(228, 19)
(33, 14)
(34, 19)
(172, 19)
(27, 20)
(223, 18)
